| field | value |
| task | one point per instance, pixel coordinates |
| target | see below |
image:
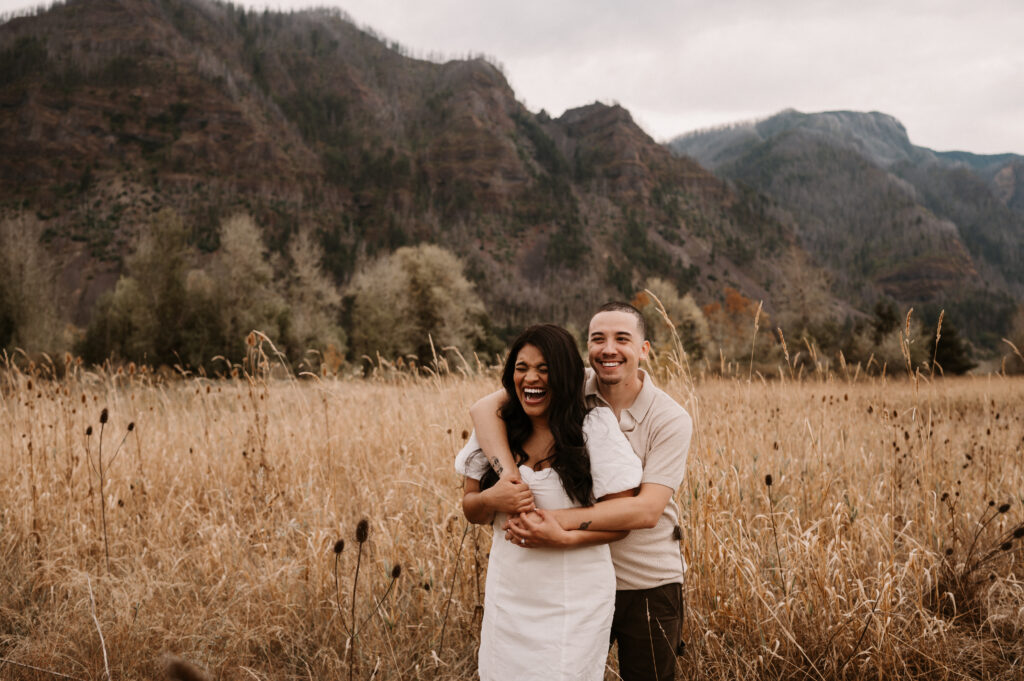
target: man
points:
(648, 569)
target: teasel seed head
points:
(396, 571)
(1019, 532)
(1006, 546)
(1004, 508)
(131, 426)
(768, 480)
(362, 530)
(339, 546)
(103, 415)
(88, 431)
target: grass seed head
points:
(396, 571)
(768, 480)
(103, 415)
(88, 431)
(362, 530)
(339, 546)
(131, 426)
(1004, 508)
(1019, 532)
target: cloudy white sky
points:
(951, 70)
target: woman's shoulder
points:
(600, 421)
(600, 415)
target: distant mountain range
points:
(882, 214)
(113, 109)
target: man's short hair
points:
(619, 306)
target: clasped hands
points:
(527, 525)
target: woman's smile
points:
(531, 381)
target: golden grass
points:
(226, 501)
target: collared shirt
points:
(659, 431)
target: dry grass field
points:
(884, 547)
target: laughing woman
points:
(548, 612)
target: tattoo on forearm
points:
(496, 465)
(585, 524)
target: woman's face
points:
(531, 381)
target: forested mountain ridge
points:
(113, 109)
(940, 228)
(132, 126)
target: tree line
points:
(177, 305)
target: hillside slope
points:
(886, 216)
(113, 109)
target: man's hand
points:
(536, 529)
(511, 496)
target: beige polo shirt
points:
(659, 431)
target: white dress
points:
(548, 612)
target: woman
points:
(548, 612)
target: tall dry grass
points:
(224, 507)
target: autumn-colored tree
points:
(687, 319)
(740, 329)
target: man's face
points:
(615, 347)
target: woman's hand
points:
(510, 496)
(536, 529)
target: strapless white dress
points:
(548, 612)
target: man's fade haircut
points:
(619, 306)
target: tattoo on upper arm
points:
(496, 465)
(585, 524)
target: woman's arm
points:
(541, 529)
(507, 496)
(476, 504)
(492, 435)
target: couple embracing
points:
(577, 471)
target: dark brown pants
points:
(646, 626)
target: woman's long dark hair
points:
(565, 413)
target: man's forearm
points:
(579, 538)
(624, 513)
(491, 433)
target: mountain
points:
(111, 110)
(886, 217)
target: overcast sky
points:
(951, 70)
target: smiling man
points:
(648, 569)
